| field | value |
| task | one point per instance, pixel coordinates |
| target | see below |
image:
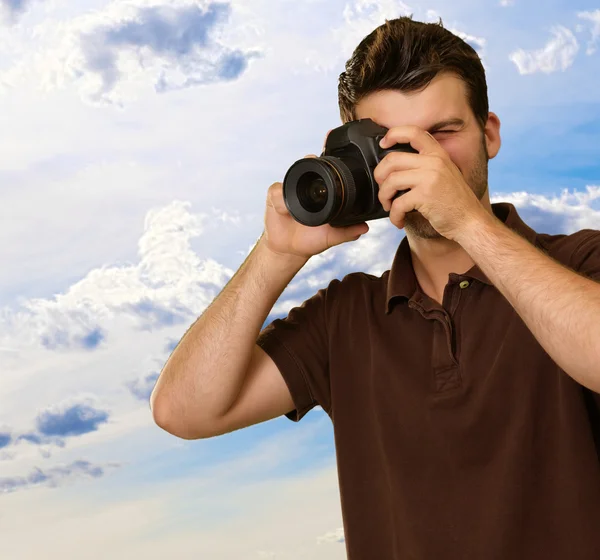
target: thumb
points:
(342, 235)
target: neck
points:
(434, 259)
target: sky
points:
(138, 141)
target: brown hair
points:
(405, 55)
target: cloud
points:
(359, 19)
(168, 286)
(477, 43)
(54, 476)
(70, 419)
(558, 54)
(222, 498)
(12, 9)
(155, 314)
(594, 18)
(5, 439)
(171, 345)
(31, 438)
(113, 52)
(336, 536)
(565, 213)
(142, 387)
(327, 50)
(59, 339)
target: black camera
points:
(338, 187)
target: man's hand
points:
(438, 189)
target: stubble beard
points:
(416, 225)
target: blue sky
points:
(139, 141)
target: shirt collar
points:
(402, 280)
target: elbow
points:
(165, 419)
(160, 413)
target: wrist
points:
(286, 259)
(475, 226)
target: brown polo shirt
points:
(456, 435)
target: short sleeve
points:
(299, 346)
(586, 257)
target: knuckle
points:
(381, 169)
(439, 162)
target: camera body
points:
(338, 188)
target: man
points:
(463, 384)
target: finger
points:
(398, 181)
(402, 206)
(325, 142)
(396, 161)
(335, 236)
(418, 138)
(275, 198)
(310, 155)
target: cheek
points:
(457, 155)
(467, 156)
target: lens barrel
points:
(316, 190)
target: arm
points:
(560, 307)
(205, 373)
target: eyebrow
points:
(448, 122)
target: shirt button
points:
(464, 284)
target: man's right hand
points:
(285, 236)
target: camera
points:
(338, 188)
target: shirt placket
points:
(445, 365)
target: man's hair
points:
(405, 55)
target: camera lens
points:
(317, 190)
(312, 192)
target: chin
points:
(417, 226)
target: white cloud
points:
(360, 18)
(53, 476)
(575, 209)
(478, 43)
(169, 285)
(114, 53)
(232, 497)
(11, 10)
(594, 18)
(558, 54)
(332, 536)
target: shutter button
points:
(464, 284)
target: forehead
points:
(445, 97)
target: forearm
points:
(205, 372)
(560, 307)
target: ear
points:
(492, 134)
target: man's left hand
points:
(438, 189)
